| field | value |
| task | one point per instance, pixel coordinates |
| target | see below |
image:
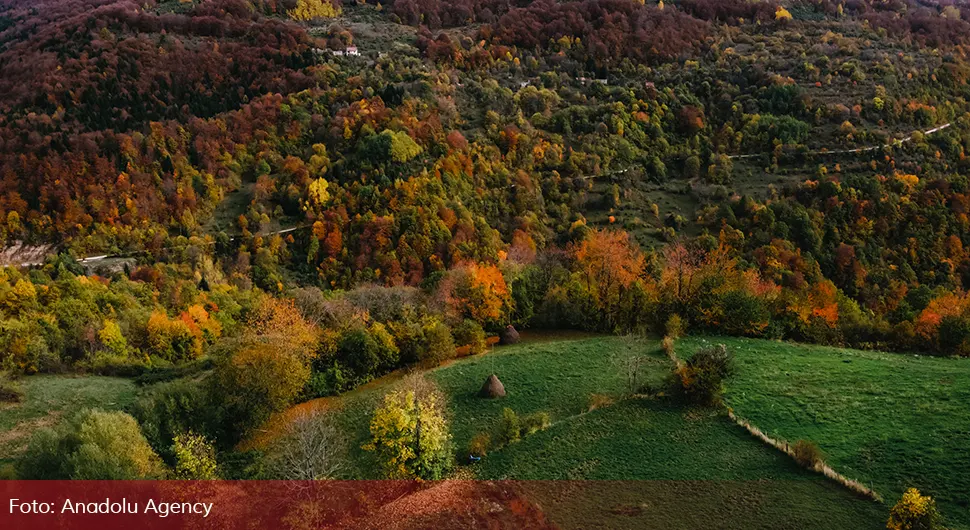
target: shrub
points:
(470, 333)
(674, 327)
(744, 314)
(509, 430)
(668, 345)
(479, 444)
(368, 351)
(10, 392)
(807, 454)
(329, 382)
(438, 343)
(110, 364)
(172, 408)
(701, 378)
(914, 512)
(534, 423)
(94, 445)
(195, 457)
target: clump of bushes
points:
(94, 445)
(668, 345)
(914, 511)
(10, 392)
(513, 427)
(807, 454)
(701, 379)
(470, 333)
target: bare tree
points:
(632, 366)
(311, 449)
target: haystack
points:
(493, 388)
(508, 336)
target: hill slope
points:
(889, 420)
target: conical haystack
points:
(493, 388)
(508, 336)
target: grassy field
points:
(47, 398)
(641, 463)
(892, 421)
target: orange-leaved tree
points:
(609, 263)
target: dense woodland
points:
(481, 164)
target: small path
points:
(87, 260)
(857, 150)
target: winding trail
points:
(38, 257)
(823, 151)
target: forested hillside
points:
(332, 191)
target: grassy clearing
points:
(644, 463)
(557, 377)
(47, 398)
(554, 377)
(891, 421)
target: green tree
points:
(94, 445)
(402, 147)
(256, 381)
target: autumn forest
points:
(245, 205)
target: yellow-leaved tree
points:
(306, 10)
(914, 511)
(410, 435)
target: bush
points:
(509, 430)
(807, 454)
(470, 333)
(368, 352)
(10, 391)
(668, 343)
(329, 382)
(701, 378)
(534, 423)
(914, 512)
(479, 444)
(195, 458)
(744, 314)
(114, 365)
(674, 327)
(439, 345)
(94, 445)
(255, 382)
(172, 408)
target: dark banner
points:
(266, 504)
